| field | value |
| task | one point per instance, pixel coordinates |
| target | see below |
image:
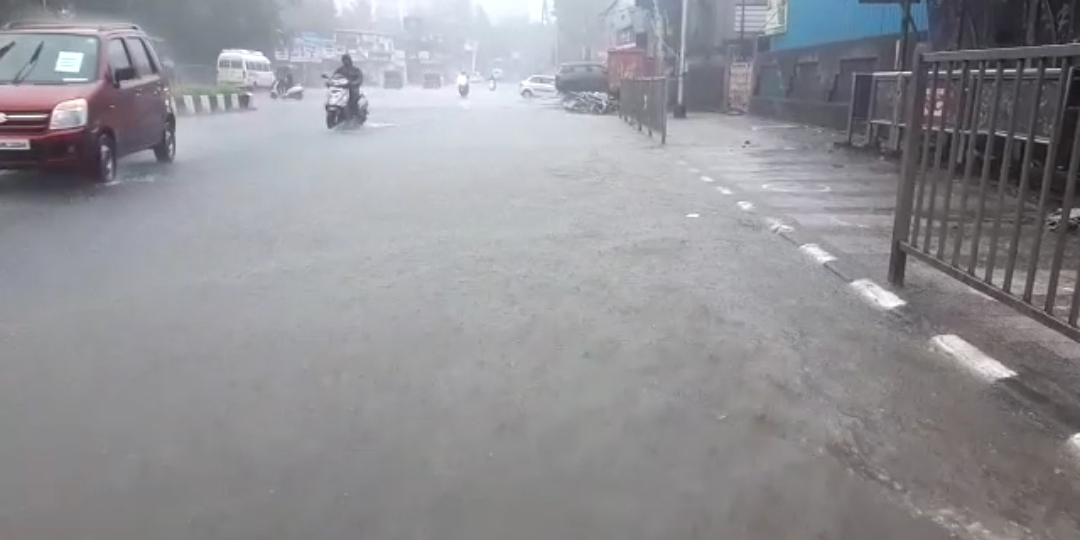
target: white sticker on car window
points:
(69, 62)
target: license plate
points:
(14, 144)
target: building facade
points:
(812, 48)
(373, 52)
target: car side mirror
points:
(123, 74)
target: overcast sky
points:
(498, 8)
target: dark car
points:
(80, 96)
(581, 77)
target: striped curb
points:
(1029, 389)
(199, 105)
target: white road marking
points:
(815, 252)
(706, 179)
(693, 215)
(1074, 444)
(745, 205)
(694, 170)
(723, 190)
(681, 163)
(971, 358)
(777, 226)
(877, 295)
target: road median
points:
(196, 103)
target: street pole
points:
(680, 104)
(905, 16)
(742, 30)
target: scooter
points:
(278, 90)
(337, 105)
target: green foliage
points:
(196, 90)
(196, 30)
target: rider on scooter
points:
(355, 78)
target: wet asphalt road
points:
(481, 321)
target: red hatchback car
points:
(80, 96)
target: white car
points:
(537, 86)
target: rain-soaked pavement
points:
(480, 321)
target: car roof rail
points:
(16, 25)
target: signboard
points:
(776, 17)
(740, 86)
(307, 49)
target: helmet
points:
(346, 60)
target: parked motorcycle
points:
(278, 90)
(338, 112)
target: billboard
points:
(776, 17)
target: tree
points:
(356, 16)
(196, 30)
(319, 16)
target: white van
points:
(239, 67)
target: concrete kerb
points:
(1024, 388)
(201, 105)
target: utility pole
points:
(680, 104)
(905, 32)
(742, 30)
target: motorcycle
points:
(463, 90)
(491, 85)
(278, 90)
(338, 113)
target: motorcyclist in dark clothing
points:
(285, 80)
(355, 78)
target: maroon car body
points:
(81, 96)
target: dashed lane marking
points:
(723, 190)
(745, 205)
(877, 295)
(706, 179)
(971, 358)
(815, 252)
(694, 170)
(1074, 445)
(777, 226)
(692, 215)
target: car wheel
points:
(527, 94)
(165, 150)
(102, 167)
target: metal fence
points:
(989, 174)
(642, 103)
(876, 110)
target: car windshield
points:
(59, 58)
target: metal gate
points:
(642, 104)
(989, 174)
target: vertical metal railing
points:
(991, 149)
(643, 104)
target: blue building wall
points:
(814, 22)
